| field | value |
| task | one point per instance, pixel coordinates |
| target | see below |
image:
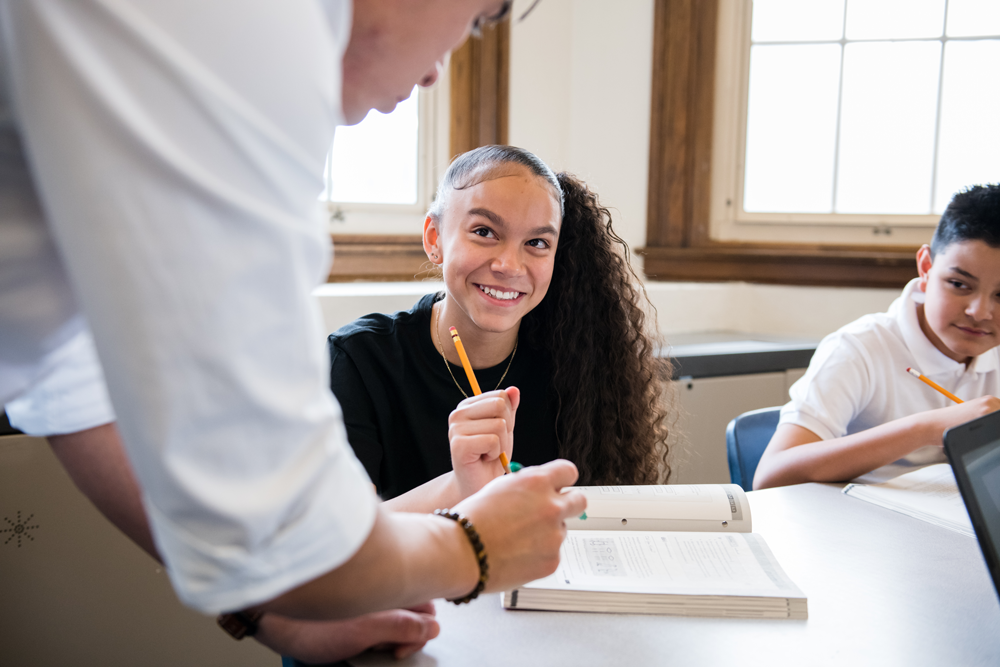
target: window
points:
(379, 238)
(850, 121)
(699, 226)
(381, 173)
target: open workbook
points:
(683, 550)
(929, 494)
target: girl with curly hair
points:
(548, 307)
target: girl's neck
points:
(485, 348)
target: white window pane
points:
(894, 19)
(969, 151)
(797, 20)
(791, 128)
(887, 127)
(971, 18)
(375, 161)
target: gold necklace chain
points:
(435, 315)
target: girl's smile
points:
(503, 297)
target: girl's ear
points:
(431, 241)
(924, 263)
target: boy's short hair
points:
(972, 215)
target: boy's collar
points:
(928, 359)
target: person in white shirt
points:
(159, 167)
(857, 408)
(70, 407)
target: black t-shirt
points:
(396, 394)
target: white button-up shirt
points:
(857, 379)
(177, 149)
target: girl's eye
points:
(541, 244)
(956, 284)
(483, 232)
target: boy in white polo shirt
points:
(856, 408)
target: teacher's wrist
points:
(460, 566)
(478, 550)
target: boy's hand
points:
(478, 430)
(521, 520)
(953, 415)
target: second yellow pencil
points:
(933, 385)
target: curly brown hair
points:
(608, 383)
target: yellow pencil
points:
(933, 385)
(475, 385)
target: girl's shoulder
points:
(380, 329)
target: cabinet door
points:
(706, 405)
(76, 591)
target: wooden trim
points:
(679, 244)
(379, 257)
(480, 73)
(796, 265)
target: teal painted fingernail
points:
(515, 466)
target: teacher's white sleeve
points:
(71, 397)
(177, 147)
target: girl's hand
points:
(478, 430)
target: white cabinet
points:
(75, 591)
(704, 408)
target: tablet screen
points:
(983, 468)
(974, 451)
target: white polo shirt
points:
(160, 163)
(857, 379)
(70, 397)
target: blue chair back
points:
(746, 439)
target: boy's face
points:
(961, 313)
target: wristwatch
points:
(240, 624)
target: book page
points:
(668, 563)
(679, 507)
(929, 494)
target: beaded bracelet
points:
(477, 547)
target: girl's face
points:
(496, 243)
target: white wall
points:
(580, 97)
(580, 89)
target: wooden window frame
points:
(479, 72)
(679, 245)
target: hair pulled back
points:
(486, 163)
(607, 382)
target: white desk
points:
(883, 589)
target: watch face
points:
(240, 624)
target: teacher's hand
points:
(401, 631)
(521, 521)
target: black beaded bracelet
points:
(477, 547)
